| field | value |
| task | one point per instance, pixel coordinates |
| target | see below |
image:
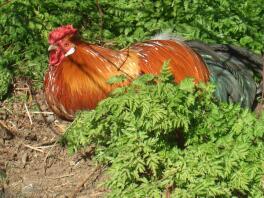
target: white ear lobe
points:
(70, 52)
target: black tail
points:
(234, 71)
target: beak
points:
(52, 47)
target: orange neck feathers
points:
(80, 80)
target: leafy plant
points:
(5, 79)
(158, 138)
(24, 27)
(25, 24)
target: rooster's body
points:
(78, 71)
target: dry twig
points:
(81, 185)
(42, 112)
(9, 129)
(48, 143)
(64, 184)
(22, 89)
(33, 148)
(60, 177)
(28, 114)
(48, 154)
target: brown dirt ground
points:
(36, 165)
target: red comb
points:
(61, 32)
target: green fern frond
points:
(158, 135)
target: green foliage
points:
(5, 79)
(156, 135)
(2, 175)
(24, 27)
(116, 79)
(25, 24)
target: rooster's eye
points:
(66, 45)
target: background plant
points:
(157, 137)
(25, 24)
(4, 82)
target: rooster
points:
(78, 71)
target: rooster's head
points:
(61, 44)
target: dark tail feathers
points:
(233, 70)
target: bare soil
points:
(32, 161)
